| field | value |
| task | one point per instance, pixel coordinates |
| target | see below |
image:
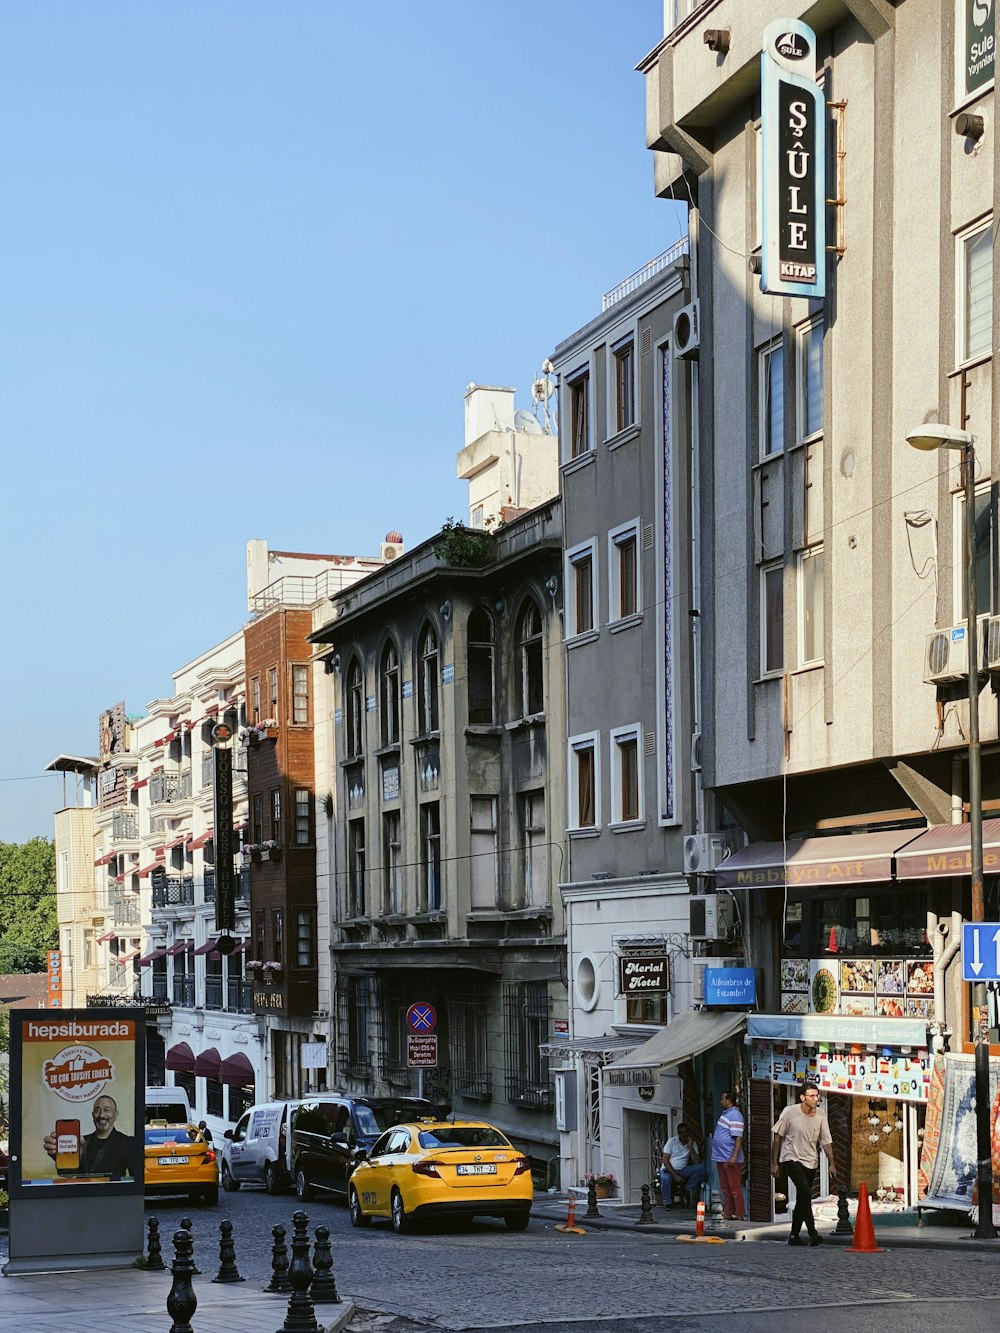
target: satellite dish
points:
(525, 422)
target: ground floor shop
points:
(219, 1063)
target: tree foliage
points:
(27, 904)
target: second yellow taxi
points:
(179, 1160)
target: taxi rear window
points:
(175, 1134)
(462, 1136)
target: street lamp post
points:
(930, 437)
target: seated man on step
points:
(682, 1166)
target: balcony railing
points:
(121, 974)
(125, 825)
(165, 787)
(173, 890)
(641, 275)
(159, 986)
(240, 995)
(209, 882)
(207, 766)
(126, 910)
(213, 992)
(243, 886)
(184, 990)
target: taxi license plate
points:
(477, 1169)
(172, 1161)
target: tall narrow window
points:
(430, 856)
(303, 817)
(300, 695)
(278, 934)
(581, 582)
(392, 900)
(579, 397)
(356, 867)
(583, 782)
(305, 937)
(483, 850)
(276, 814)
(977, 293)
(272, 689)
(982, 557)
(389, 695)
(257, 818)
(428, 666)
(533, 850)
(771, 385)
(810, 380)
(255, 699)
(627, 800)
(480, 657)
(355, 710)
(259, 945)
(772, 619)
(624, 355)
(623, 571)
(530, 641)
(810, 590)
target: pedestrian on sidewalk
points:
(682, 1165)
(799, 1133)
(727, 1154)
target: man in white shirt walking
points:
(799, 1133)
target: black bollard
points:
(843, 1227)
(645, 1211)
(324, 1284)
(301, 1317)
(279, 1262)
(188, 1225)
(182, 1302)
(154, 1253)
(228, 1272)
(592, 1208)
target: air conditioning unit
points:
(703, 852)
(946, 652)
(687, 332)
(710, 916)
(391, 551)
(993, 643)
(698, 968)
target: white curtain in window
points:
(978, 294)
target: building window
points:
(305, 937)
(810, 605)
(480, 657)
(355, 710)
(355, 1002)
(579, 412)
(976, 292)
(529, 637)
(483, 850)
(626, 795)
(982, 556)
(624, 356)
(276, 814)
(259, 945)
(531, 810)
(356, 867)
(772, 619)
(771, 385)
(430, 857)
(388, 673)
(255, 699)
(272, 685)
(468, 1045)
(809, 376)
(641, 1008)
(526, 1029)
(428, 666)
(213, 1097)
(583, 811)
(582, 613)
(623, 570)
(392, 900)
(303, 817)
(300, 695)
(278, 934)
(257, 818)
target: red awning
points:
(202, 838)
(236, 1071)
(127, 957)
(205, 948)
(180, 947)
(238, 828)
(108, 935)
(211, 710)
(206, 1063)
(103, 860)
(841, 859)
(140, 782)
(945, 849)
(177, 842)
(242, 947)
(149, 958)
(154, 865)
(180, 1058)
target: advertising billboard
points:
(77, 1098)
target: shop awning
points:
(205, 948)
(206, 1063)
(946, 849)
(151, 957)
(843, 858)
(154, 865)
(128, 957)
(202, 838)
(179, 947)
(108, 935)
(236, 1071)
(103, 860)
(597, 1048)
(687, 1036)
(180, 1058)
(839, 1031)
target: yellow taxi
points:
(180, 1160)
(460, 1168)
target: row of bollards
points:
(310, 1282)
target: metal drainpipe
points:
(696, 653)
(946, 938)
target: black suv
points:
(332, 1133)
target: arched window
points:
(355, 709)
(388, 675)
(529, 640)
(480, 653)
(427, 652)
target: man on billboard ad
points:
(77, 1087)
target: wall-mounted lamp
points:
(717, 40)
(970, 126)
(552, 585)
(335, 661)
(500, 608)
(754, 263)
(445, 609)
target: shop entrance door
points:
(873, 1139)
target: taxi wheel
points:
(303, 1191)
(271, 1185)
(517, 1221)
(400, 1219)
(228, 1183)
(358, 1218)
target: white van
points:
(256, 1151)
(169, 1104)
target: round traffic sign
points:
(421, 1017)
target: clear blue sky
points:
(254, 250)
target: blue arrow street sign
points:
(981, 951)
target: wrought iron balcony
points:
(121, 975)
(213, 991)
(159, 985)
(243, 886)
(126, 910)
(173, 890)
(209, 883)
(240, 995)
(166, 787)
(184, 990)
(125, 825)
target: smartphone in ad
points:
(67, 1146)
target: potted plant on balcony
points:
(252, 851)
(604, 1183)
(254, 965)
(270, 850)
(273, 971)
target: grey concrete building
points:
(836, 719)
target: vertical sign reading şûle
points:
(977, 46)
(793, 166)
(225, 881)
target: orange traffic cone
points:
(570, 1223)
(699, 1226)
(864, 1230)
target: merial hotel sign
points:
(793, 175)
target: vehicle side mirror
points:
(228, 1134)
(339, 1140)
